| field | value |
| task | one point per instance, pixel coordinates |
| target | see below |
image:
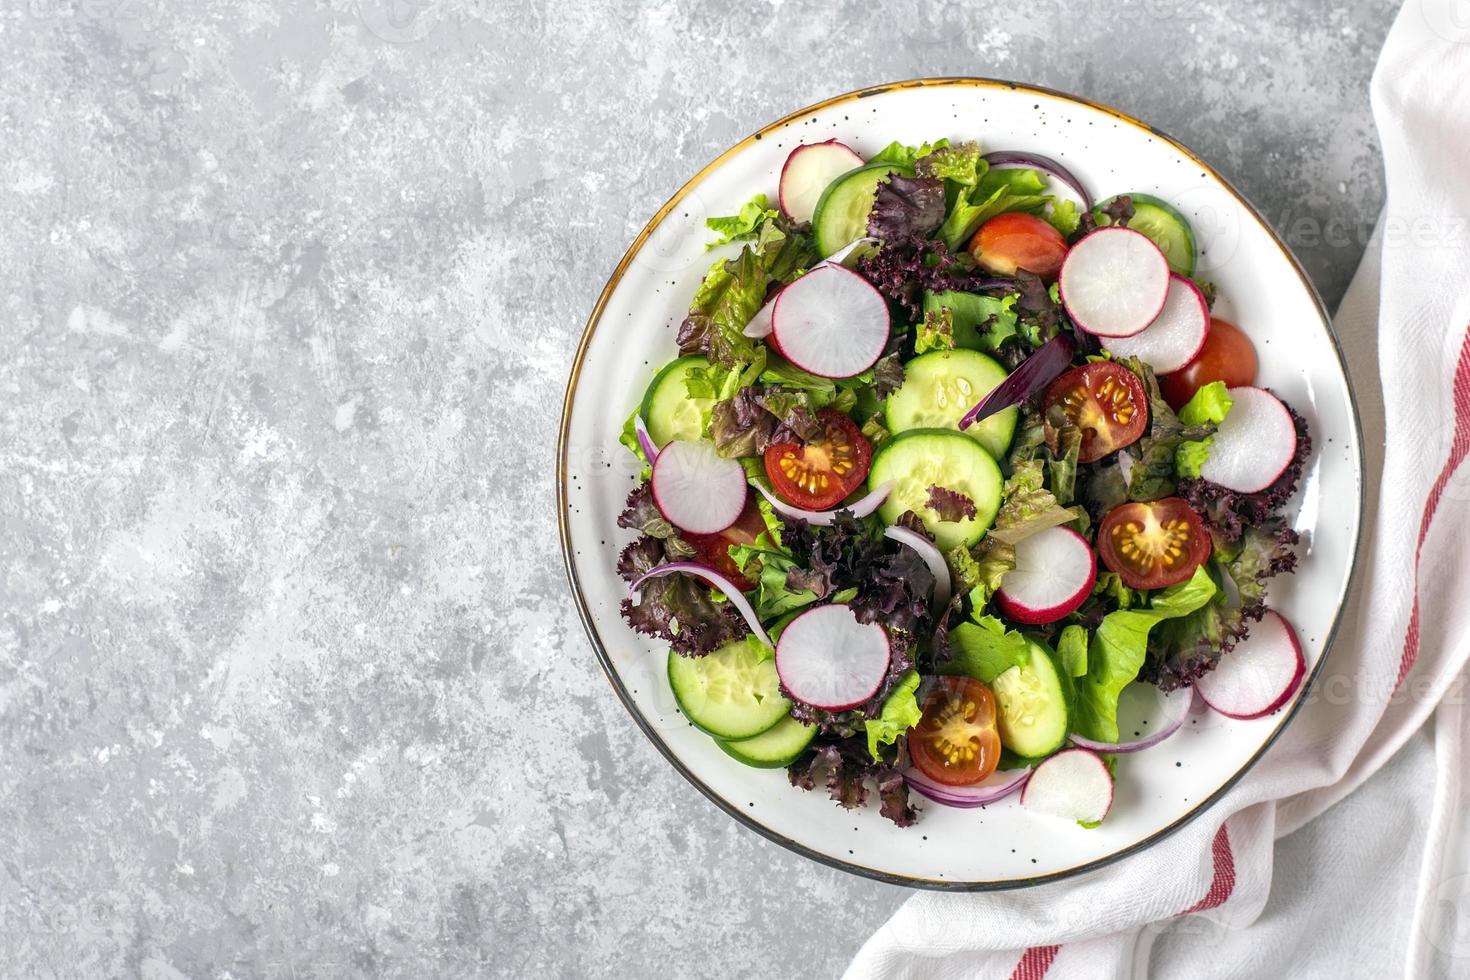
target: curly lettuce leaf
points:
(936, 332)
(900, 713)
(1208, 407)
(906, 156)
(904, 207)
(1064, 216)
(1119, 649)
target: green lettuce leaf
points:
(1072, 651)
(747, 224)
(983, 323)
(984, 649)
(906, 156)
(997, 191)
(1118, 649)
(936, 332)
(1064, 216)
(1208, 407)
(900, 713)
(629, 438)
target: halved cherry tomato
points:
(956, 741)
(1228, 355)
(1105, 400)
(714, 549)
(1153, 545)
(816, 475)
(1016, 240)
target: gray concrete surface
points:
(290, 684)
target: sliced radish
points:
(1114, 282)
(931, 556)
(862, 508)
(1144, 707)
(696, 488)
(1259, 675)
(997, 786)
(760, 324)
(829, 660)
(1176, 334)
(1254, 445)
(808, 170)
(1073, 784)
(732, 591)
(1055, 571)
(831, 322)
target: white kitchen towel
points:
(1192, 906)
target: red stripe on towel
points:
(1035, 962)
(1223, 881)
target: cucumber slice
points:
(774, 748)
(1158, 221)
(668, 411)
(842, 211)
(732, 693)
(1031, 708)
(921, 458)
(940, 387)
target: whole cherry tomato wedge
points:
(1015, 240)
(714, 549)
(956, 741)
(1228, 355)
(1153, 545)
(817, 474)
(1106, 401)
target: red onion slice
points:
(1164, 722)
(737, 598)
(996, 786)
(932, 558)
(1005, 159)
(862, 508)
(644, 439)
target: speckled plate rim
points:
(584, 612)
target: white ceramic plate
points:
(1262, 288)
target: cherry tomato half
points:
(1153, 545)
(1106, 401)
(1016, 240)
(816, 475)
(1228, 355)
(956, 741)
(714, 549)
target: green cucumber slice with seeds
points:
(775, 748)
(841, 216)
(1031, 706)
(922, 458)
(732, 693)
(668, 411)
(940, 387)
(1163, 225)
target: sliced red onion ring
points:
(996, 786)
(644, 439)
(1003, 159)
(1164, 721)
(1035, 373)
(931, 557)
(760, 324)
(1125, 468)
(736, 597)
(862, 508)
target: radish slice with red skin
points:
(1259, 675)
(860, 508)
(1165, 716)
(829, 660)
(696, 488)
(927, 551)
(1054, 574)
(645, 441)
(732, 592)
(1114, 282)
(1073, 784)
(831, 322)
(1175, 336)
(760, 324)
(1254, 445)
(995, 787)
(808, 170)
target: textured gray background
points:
(290, 684)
